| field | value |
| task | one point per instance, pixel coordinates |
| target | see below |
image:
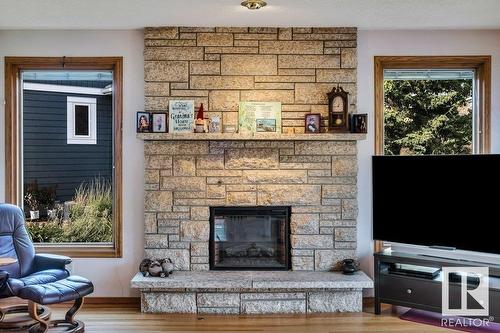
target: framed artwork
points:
(313, 123)
(181, 116)
(159, 122)
(143, 122)
(338, 110)
(359, 123)
(259, 117)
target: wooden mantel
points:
(250, 137)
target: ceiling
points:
(135, 14)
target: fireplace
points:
(249, 238)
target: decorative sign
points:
(260, 117)
(181, 116)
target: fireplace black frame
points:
(272, 210)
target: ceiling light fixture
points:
(254, 4)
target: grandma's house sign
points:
(181, 116)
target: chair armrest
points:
(51, 261)
(4, 276)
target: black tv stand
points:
(421, 292)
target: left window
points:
(64, 154)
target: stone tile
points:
(169, 42)
(302, 263)
(158, 162)
(156, 241)
(337, 301)
(232, 29)
(302, 30)
(285, 33)
(275, 86)
(199, 260)
(226, 100)
(241, 188)
(325, 148)
(262, 30)
(175, 148)
(232, 50)
(335, 30)
(325, 37)
(349, 209)
(228, 82)
(326, 260)
(295, 71)
(212, 57)
(211, 162)
(336, 75)
(311, 241)
(345, 234)
(246, 43)
(247, 64)
(216, 191)
(200, 213)
(283, 96)
(180, 257)
(173, 53)
(158, 200)
(273, 306)
(184, 166)
(183, 183)
(339, 191)
(304, 224)
(166, 71)
(241, 198)
(161, 33)
(341, 43)
(151, 176)
(214, 39)
(332, 50)
(291, 47)
(308, 61)
(189, 93)
(200, 267)
(218, 173)
(343, 166)
(199, 249)
(204, 67)
(179, 85)
(162, 302)
(156, 88)
(218, 299)
(195, 231)
(256, 36)
(349, 58)
(150, 226)
(275, 176)
(289, 195)
(286, 78)
(252, 158)
(197, 29)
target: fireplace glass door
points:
(249, 238)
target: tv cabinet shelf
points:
(423, 293)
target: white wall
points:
(424, 42)
(110, 276)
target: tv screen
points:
(450, 201)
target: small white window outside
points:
(82, 121)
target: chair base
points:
(20, 322)
(75, 327)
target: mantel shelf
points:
(250, 137)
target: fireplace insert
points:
(249, 238)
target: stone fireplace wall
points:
(223, 66)
(316, 178)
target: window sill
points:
(80, 250)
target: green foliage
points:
(90, 218)
(428, 117)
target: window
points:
(432, 105)
(63, 152)
(81, 120)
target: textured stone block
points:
(180, 257)
(275, 176)
(197, 29)
(216, 191)
(311, 241)
(175, 148)
(308, 61)
(343, 166)
(184, 166)
(157, 200)
(158, 162)
(325, 148)
(302, 263)
(245, 64)
(200, 213)
(199, 249)
(168, 302)
(256, 36)
(252, 158)
(173, 53)
(339, 191)
(166, 71)
(211, 162)
(205, 67)
(291, 47)
(151, 176)
(273, 303)
(226, 100)
(349, 59)
(336, 75)
(341, 43)
(199, 260)
(156, 88)
(218, 300)
(275, 86)
(289, 195)
(214, 39)
(283, 96)
(189, 93)
(195, 231)
(156, 241)
(337, 301)
(349, 209)
(312, 93)
(183, 183)
(161, 33)
(326, 260)
(150, 226)
(229, 82)
(169, 42)
(285, 33)
(241, 198)
(345, 234)
(304, 224)
(285, 78)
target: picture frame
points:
(159, 122)
(143, 122)
(338, 110)
(312, 123)
(181, 116)
(359, 123)
(259, 117)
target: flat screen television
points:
(445, 201)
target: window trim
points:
(71, 137)
(481, 64)
(13, 68)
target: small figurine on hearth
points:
(200, 121)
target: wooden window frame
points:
(480, 64)
(13, 68)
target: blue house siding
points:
(48, 159)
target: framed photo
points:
(181, 116)
(159, 122)
(313, 123)
(359, 123)
(143, 124)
